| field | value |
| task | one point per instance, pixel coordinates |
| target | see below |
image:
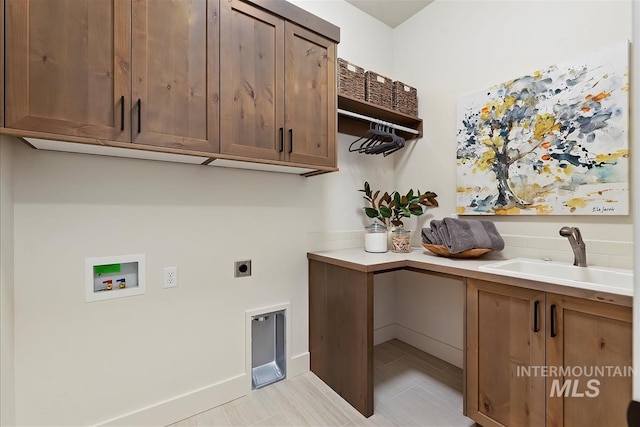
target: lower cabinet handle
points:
(536, 307)
(552, 315)
(139, 115)
(291, 139)
(281, 140)
(122, 113)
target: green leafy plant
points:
(390, 208)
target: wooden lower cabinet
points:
(502, 337)
(519, 342)
(588, 335)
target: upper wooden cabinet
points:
(175, 74)
(67, 67)
(514, 333)
(245, 80)
(310, 103)
(71, 65)
(278, 91)
(251, 82)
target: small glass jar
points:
(400, 240)
(375, 238)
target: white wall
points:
(364, 40)
(430, 314)
(384, 307)
(453, 48)
(635, 132)
(128, 360)
(7, 392)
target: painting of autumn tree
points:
(552, 142)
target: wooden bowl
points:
(442, 251)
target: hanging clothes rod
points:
(378, 121)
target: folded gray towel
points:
(435, 229)
(460, 235)
(431, 235)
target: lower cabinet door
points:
(505, 345)
(589, 352)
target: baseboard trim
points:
(299, 364)
(185, 405)
(430, 345)
(189, 404)
(384, 334)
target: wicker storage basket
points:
(378, 89)
(405, 99)
(350, 79)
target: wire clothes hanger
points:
(381, 136)
(379, 139)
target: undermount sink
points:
(597, 278)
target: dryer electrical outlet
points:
(242, 268)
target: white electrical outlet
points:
(170, 277)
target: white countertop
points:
(421, 259)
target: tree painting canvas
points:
(554, 142)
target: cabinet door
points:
(504, 338)
(587, 335)
(251, 82)
(174, 66)
(310, 97)
(67, 67)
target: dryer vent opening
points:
(268, 349)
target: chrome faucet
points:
(577, 244)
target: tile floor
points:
(412, 388)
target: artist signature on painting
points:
(603, 209)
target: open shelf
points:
(356, 127)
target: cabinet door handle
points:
(536, 307)
(122, 113)
(139, 115)
(281, 140)
(291, 139)
(552, 314)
